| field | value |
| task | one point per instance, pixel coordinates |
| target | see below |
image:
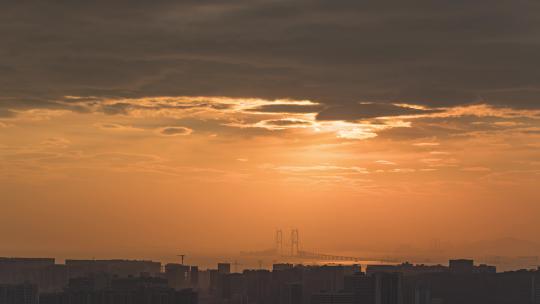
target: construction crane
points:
(182, 256)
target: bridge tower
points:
(279, 242)
(295, 239)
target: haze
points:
(143, 129)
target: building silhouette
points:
(26, 281)
(19, 294)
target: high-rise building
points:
(18, 294)
(177, 275)
(258, 285)
(388, 288)
(126, 290)
(536, 287)
(233, 287)
(461, 266)
(422, 294)
(194, 276)
(224, 268)
(291, 293)
(42, 272)
(122, 268)
(282, 266)
(333, 298)
(362, 286)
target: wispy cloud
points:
(426, 144)
(385, 162)
(117, 127)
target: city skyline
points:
(121, 281)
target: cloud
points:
(116, 127)
(56, 142)
(439, 153)
(426, 144)
(223, 114)
(288, 108)
(38, 114)
(439, 162)
(360, 111)
(336, 52)
(288, 122)
(283, 124)
(508, 123)
(329, 168)
(116, 108)
(385, 162)
(6, 113)
(124, 158)
(175, 131)
(476, 169)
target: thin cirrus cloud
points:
(321, 168)
(385, 162)
(116, 127)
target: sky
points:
(204, 126)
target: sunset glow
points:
(163, 158)
(144, 129)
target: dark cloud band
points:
(337, 52)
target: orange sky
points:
(213, 174)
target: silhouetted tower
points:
(294, 242)
(182, 256)
(279, 242)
